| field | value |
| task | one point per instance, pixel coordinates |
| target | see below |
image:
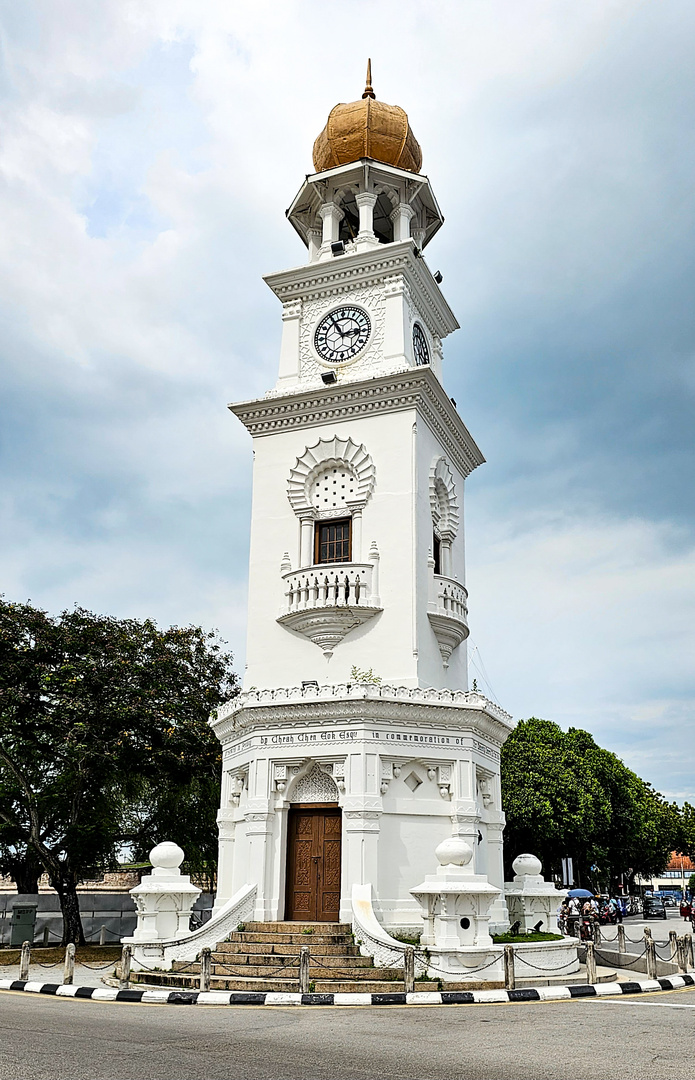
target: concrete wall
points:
(115, 911)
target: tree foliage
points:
(686, 831)
(565, 796)
(96, 712)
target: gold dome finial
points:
(368, 90)
(367, 128)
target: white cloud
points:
(148, 149)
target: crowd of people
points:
(579, 916)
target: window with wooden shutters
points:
(333, 541)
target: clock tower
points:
(355, 699)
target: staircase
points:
(264, 957)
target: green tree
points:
(686, 831)
(691, 884)
(92, 710)
(566, 796)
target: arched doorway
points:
(313, 850)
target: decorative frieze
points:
(416, 388)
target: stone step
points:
(278, 959)
(277, 938)
(273, 948)
(297, 927)
(265, 971)
(287, 986)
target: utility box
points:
(23, 922)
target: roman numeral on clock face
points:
(342, 334)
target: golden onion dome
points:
(367, 129)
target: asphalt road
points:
(646, 1038)
(634, 930)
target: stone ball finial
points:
(454, 851)
(527, 865)
(166, 856)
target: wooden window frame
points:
(317, 540)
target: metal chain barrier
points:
(547, 971)
(611, 962)
(11, 962)
(469, 971)
(245, 975)
(98, 967)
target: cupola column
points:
(331, 216)
(366, 201)
(401, 218)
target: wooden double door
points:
(313, 863)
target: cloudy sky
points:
(147, 154)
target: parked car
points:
(670, 901)
(653, 908)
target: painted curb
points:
(453, 997)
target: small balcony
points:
(325, 602)
(447, 611)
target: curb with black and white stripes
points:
(444, 997)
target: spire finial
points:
(368, 91)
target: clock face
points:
(420, 347)
(342, 334)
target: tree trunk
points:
(26, 876)
(70, 907)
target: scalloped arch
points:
(443, 501)
(322, 455)
(313, 785)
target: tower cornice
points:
(416, 388)
(313, 281)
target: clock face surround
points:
(342, 334)
(421, 350)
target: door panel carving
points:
(313, 864)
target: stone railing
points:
(447, 611)
(160, 955)
(334, 585)
(449, 597)
(362, 692)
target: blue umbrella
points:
(579, 892)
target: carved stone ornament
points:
(327, 627)
(443, 501)
(316, 461)
(317, 785)
(449, 633)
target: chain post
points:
(69, 966)
(409, 969)
(651, 957)
(102, 935)
(681, 956)
(673, 943)
(205, 967)
(509, 978)
(24, 959)
(126, 955)
(590, 963)
(621, 938)
(304, 961)
(689, 950)
(45, 935)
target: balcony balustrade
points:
(325, 602)
(447, 611)
(337, 585)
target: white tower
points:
(357, 562)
